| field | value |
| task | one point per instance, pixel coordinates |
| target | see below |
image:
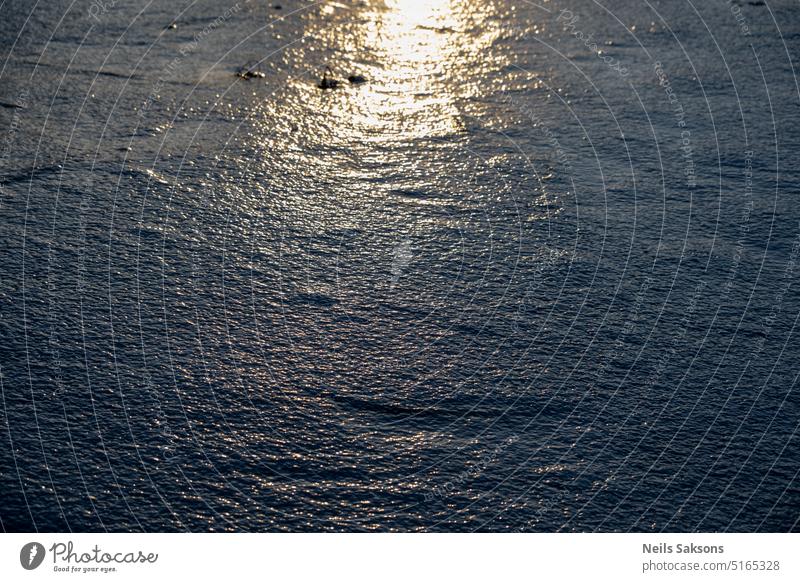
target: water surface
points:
(537, 273)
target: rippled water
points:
(537, 273)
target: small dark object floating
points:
(440, 30)
(328, 82)
(250, 75)
(277, 7)
(357, 79)
(173, 26)
(759, 3)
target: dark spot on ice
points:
(328, 82)
(248, 74)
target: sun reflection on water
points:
(414, 35)
(422, 62)
(408, 95)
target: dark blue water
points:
(538, 273)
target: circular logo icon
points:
(31, 555)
